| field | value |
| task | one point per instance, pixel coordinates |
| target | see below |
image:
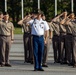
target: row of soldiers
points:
(64, 38)
(63, 28)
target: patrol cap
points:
(40, 13)
(37, 12)
(1, 12)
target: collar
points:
(39, 20)
(6, 21)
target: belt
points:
(55, 35)
(26, 32)
(38, 35)
(5, 35)
(74, 35)
(62, 33)
(69, 34)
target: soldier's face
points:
(65, 14)
(6, 17)
(72, 15)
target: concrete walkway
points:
(21, 68)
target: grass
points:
(18, 30)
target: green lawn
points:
(18, 31)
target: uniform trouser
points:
(31, 56)
(74, 51)
(69, 47)
(63, 50)
(27, 38)
(56, 47)
(5, 45)
(45, 53)
(38, 48)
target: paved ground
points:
(21, 68)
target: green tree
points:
(2, 5)
(47, 6)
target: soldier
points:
(27, 39)
(55, 40)
(69, 41)
(38, 28)
(1, 19)
(54, 27)
(74, 44)
(72, 39)
(46, 48)
(6, 37)
(62, 39)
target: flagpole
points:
(5, 5)
(72, 6)
(22, 11)
(55, 7)
(38, 5)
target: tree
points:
(47, 6)
(1, 5)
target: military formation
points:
(62, 32)
(64, 35)
(37, 37)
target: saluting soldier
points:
(69, 39)
(6, 37)
(46, 47)
(38, 28)
(54, 27)
(72, 24)
(55, 39)
(27, 39)
(62, 39)
(74, 45)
